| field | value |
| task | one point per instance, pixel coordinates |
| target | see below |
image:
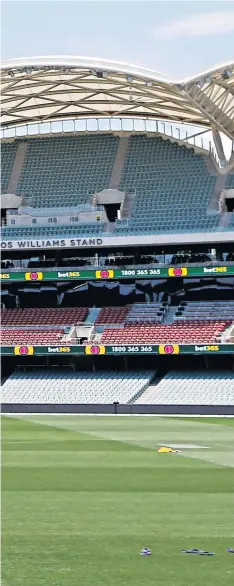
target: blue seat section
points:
(25, 232)
(60, 171)
(173, 188)
(8, 152)
(146, 313)
(205, 310)
(231, 221)
(229, 182)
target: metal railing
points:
(113, 266)
(113, 125)
(47, 211)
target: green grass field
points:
(82, 495)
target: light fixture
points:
(129, 78)
(226, 74)
(200, 83)
(207, 79)
(149, 83)
(101, 74)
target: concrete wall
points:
(61, 220)
(120, 409)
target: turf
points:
(82, 495)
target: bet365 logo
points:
(206, 348)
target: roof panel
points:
(46, 88)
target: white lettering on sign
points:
(206, 348)
(59, 349)
(215, 270)
(59, 243)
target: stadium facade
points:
(116, 243)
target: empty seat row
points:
(67, 166)
(8, 152)
(26, 337)
(194, 333)
(63, 386)
(206, 310)
(191, 388)
(47, 316)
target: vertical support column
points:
(219, 145)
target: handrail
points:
(48, 211)
(46, 326)
(114, 267)
(114, 125)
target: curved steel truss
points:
(44, 89)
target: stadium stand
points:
(231, 221)
(112, 315)
(186, 332)
(195, 322)
(88, 230)
(28, 337)
(229, 182)
(146, 313)
(173, 184)
(62, 170)
(48, 316)
(191, 388)
(173, 188)
(8, 152)
(205, 310)
(63, 386)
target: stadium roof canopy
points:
(43, 89)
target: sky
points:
(175, 38)
(178, 39)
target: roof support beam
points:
(47, 88)
(219, 146)
(209, 108)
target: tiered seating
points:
(65, 386)
(48, 316)
(112, 315)
(60, 171)
(191, 388)
(8, 152)
(86, 230)
(146, 313)
(26, 337)
(231, 220)
(173, 188)
(187, 333)
(205, 310)
(229, 182)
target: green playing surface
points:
(81, 495)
